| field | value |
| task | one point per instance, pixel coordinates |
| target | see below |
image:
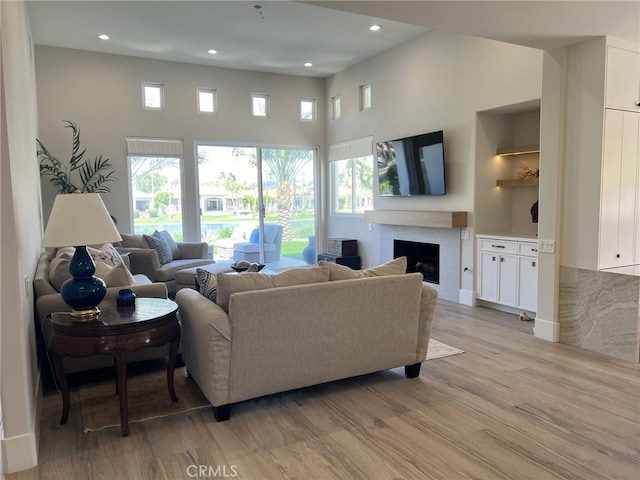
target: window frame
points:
(313, 109)
(267, 106)
(214, 94)
(365, 97)
(336, 112)
(335, 187)
(158, 85)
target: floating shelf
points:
(416, 218)
(522, 150)
(516, 182)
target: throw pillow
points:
(161, 247)
(207, 283)
(176, 253)
(59, 266)
(106, 254)
(255, 236)
(119, 276)
(229, 283)
(131, 241)
(397, 266)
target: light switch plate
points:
(546, 246)
(464, 234)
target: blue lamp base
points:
(83, 292)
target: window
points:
(307, 109)
(153, 96)
(351, 176)
(365, 97)
(207, 100)
(155, 170)
(353, 185)
(335, 107)
(260, 105)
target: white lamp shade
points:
(79, 219)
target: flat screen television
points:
(412, 165)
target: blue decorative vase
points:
(83, 292)
(309, 252)
(126, 298)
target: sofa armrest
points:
(206, 340)
(194, 249)
(428, 302)
(142, 260)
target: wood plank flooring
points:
(511, 407)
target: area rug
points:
(148, 399)
(149, 396)
(438, 350)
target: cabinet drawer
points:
(529, 248)
(499, 246)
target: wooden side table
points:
(116, 332)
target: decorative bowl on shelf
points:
(247, 267)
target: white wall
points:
(101, 93)
(436, 81)
(19, 241)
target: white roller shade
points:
(154, 147)
(360, 147)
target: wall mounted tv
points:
(412, 166)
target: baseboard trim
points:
(21, 452)
(467, 297)
(546, 330)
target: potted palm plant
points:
(81, 174)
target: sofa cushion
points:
(119, 276)
(175, 250)
(106, 254)
(161, 246)
(167, 272)
(229, 283)
(255, 236)
(132, 241)
(397, 266)
(105, 260)
(207, 283)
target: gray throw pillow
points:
(161, 246)
(176, 253)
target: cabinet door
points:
(619, 201)
(488, 276)
(623, 79)
(628, 189)
(507, 279)
(528, 283)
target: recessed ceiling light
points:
(103, 36)
(375, 28)
(212, 52)
(308, 64)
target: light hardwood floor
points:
(511, 407)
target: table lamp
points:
(78, 220)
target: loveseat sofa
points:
(264, 336)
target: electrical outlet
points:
(464, 234)
(546, 246)
(371, 227)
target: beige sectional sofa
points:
(49, 300)
(289, 333)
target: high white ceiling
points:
(281, 36)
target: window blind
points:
(154, 147)
(360, 147)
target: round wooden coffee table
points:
(116, 332)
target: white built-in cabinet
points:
(623, 79)
(601, 185)
(507, 272)
(619, 204)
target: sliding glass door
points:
(257, 204)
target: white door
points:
(528, 283)
(507, 279)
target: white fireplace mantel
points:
(417, 218)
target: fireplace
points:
(421, 257)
